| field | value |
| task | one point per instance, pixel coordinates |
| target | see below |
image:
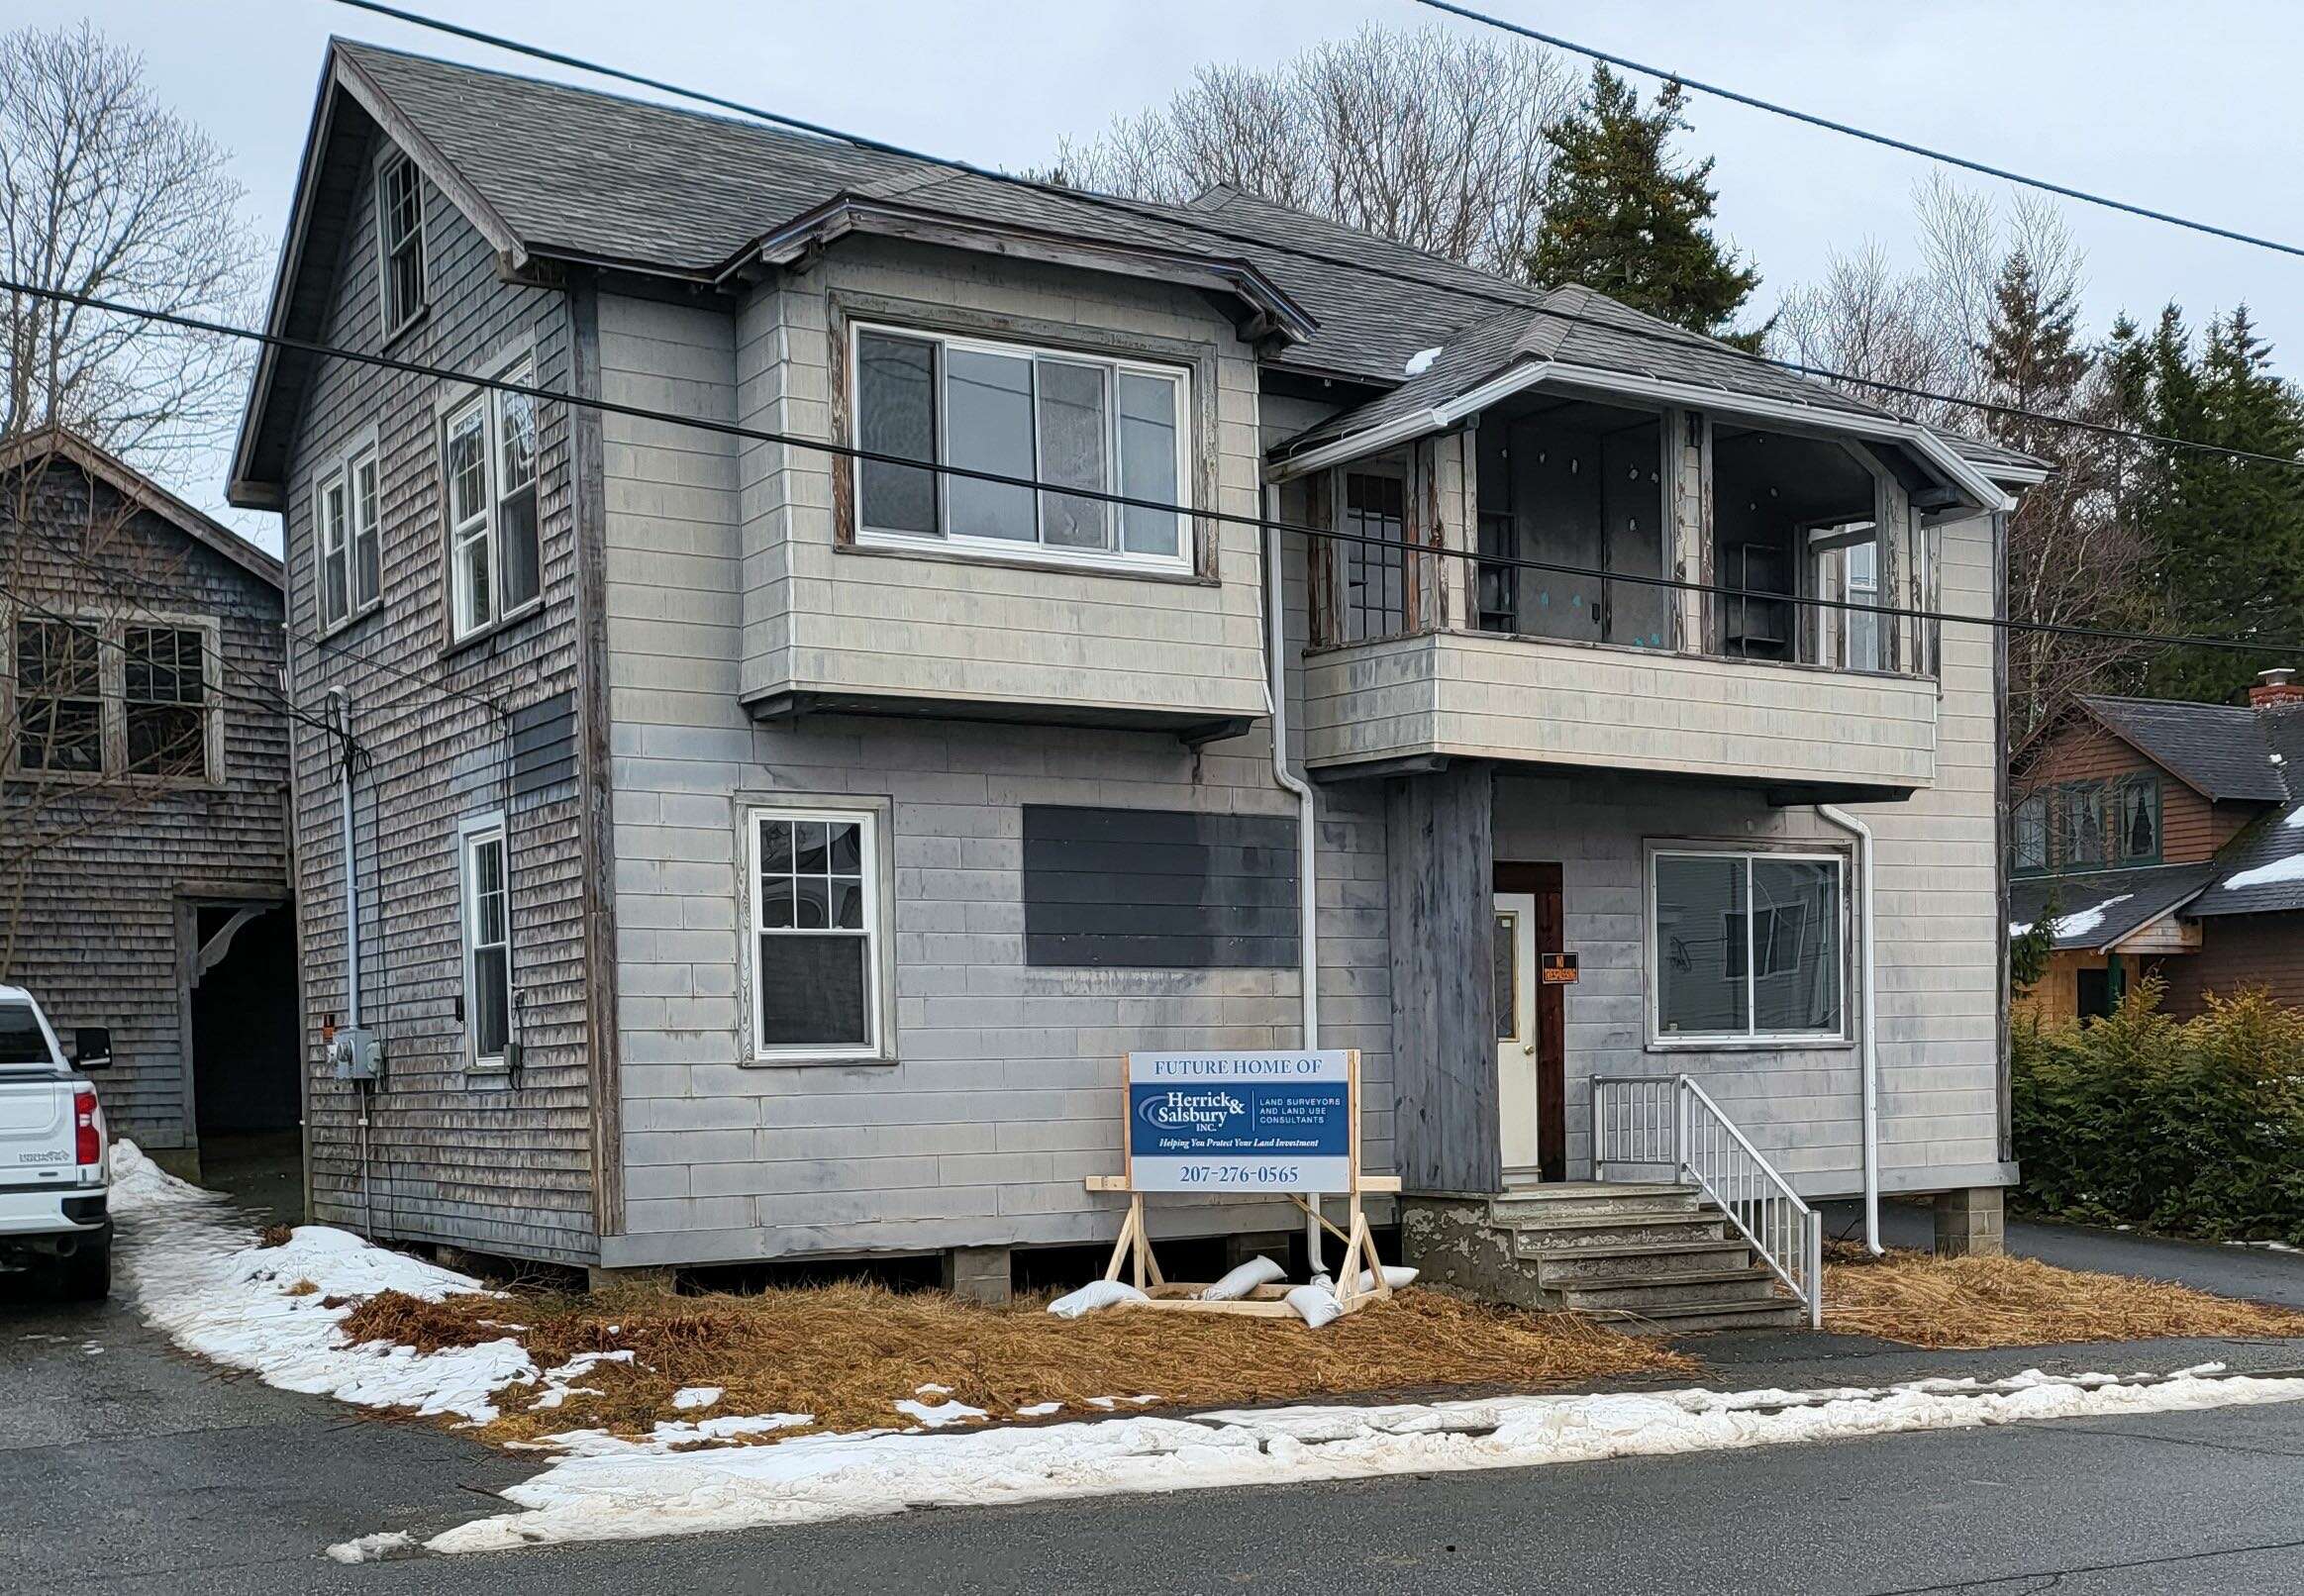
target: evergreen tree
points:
(1624, 218)
(2227, 533)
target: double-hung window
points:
(1039, 416)
(351, 558)
(1747, 947)
(2138, 818)
(400, 242)
(165, 700)
(815, 933)
(59, 697)
(488, 469)
(487, 916)
(2083, 836)
(2030, 825)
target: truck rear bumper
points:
(51, 1212)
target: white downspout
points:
(1275, 593)
(1870, 1038)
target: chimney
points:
(2275, 687)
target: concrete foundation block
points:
(1970, 1223)
(1450, 1242)
(978, 1274)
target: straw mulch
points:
(846, 1353)
(1927, 1301)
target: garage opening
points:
(246, 1091)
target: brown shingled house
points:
(2169, 838)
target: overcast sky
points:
(2189, 108)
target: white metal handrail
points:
(1670, 1122)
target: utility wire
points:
(1886, 140)
(1504, 295)
(855, 452)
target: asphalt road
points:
(125, 1466)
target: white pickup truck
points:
(55, 1154)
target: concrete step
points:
(1590, 1200)
(1606, 1232)
(1683, 1318)
(1578, 1266)
(1750, 1284)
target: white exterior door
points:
(1516, 1073)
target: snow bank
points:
(139, 1184)
(629, 1493)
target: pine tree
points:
(1624, 218)
(2227, 533)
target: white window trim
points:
(1662, 1040)
(388, 162)
(471, 834)
(518, 365)
(873, 846)
(345, 471)
(111, 630)
(1016, 549)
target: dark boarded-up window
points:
(544, 743)
(1157, 889)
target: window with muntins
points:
(59, 697)
(487, 944)
(488, 472)
(2030, 834)
(1066, 420)
(344, 513)
(1375, 555)
(1747, 947)
(165, 700)
(400, 242)
(815, 929)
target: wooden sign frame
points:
(1132, 1252)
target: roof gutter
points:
(1411, 424)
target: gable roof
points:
(2095, 908)
(62, 443)
(550, 172)
(2221, 751)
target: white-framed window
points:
(344, 518)
(815, 904)
(1053, 416)
(488, 480)
(97, 696)
(400, 242)
(1747, 947)
(487, 935)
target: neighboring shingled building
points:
(2169, 838)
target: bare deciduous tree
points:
(106, 192)
(1429, 138)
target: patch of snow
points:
(696, 1396)
(668, 1436)
(628, 1493)
(2290, 868)
(1092, 1296)
(932, 1390)
(1421, 361)
(2268, 1247)
(2076, 924)
(1106, 1404)
(935, 1415)
(375, 1548)
(139, 1184)
(1039, 1410)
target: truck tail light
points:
(87, 1128)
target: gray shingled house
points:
(769, 856)
(144, 845)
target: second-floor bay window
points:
(1055, 418)
(489, 469)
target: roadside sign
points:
(1560, 969)
(1239, 1122)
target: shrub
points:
(2193, 1126)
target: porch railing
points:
(1670, 1123)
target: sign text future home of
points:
(1239, 1122)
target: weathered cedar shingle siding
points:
(97, 940)
(452, 1155)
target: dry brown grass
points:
(1927, 1301)
(848, 1353)
(275, 1236)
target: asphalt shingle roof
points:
(578, 173)
(2221, 749)
(2259, 871)
(2097, 908)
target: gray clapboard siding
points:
(1006, 1090)
(450, 1154)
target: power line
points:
(1886, 140)
(856, 452)
(1504, 295)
